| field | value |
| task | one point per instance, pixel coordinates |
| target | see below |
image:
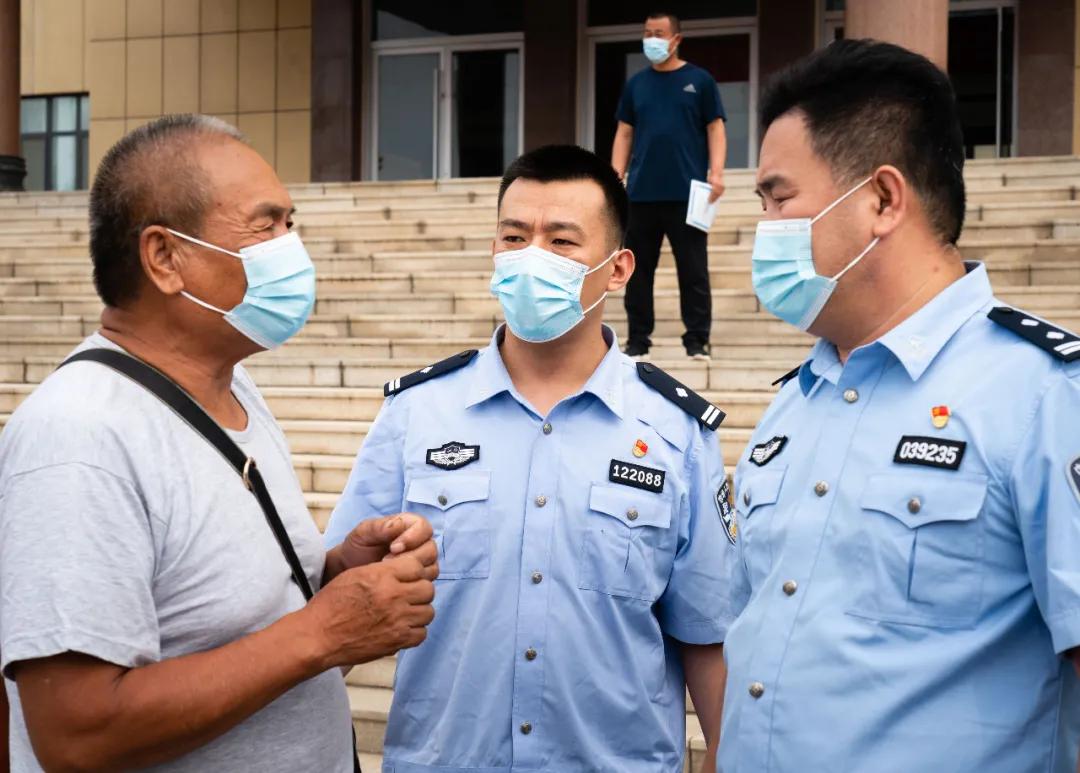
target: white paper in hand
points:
(699, 212)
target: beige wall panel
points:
(131, 124)
(181, 17)
(255, 89)
(103, 135)
(294, 69)
(144, 18)
(144, 77)
(258, 14)
(294, 13)
(260, 131)
(181, 75)
(106, 66)
(229, 118)
(106, 19)
(218, 15)
(293, 156)
(58, 46)
(217, 75)
(26, 47)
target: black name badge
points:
(645, 478)
(930, 452)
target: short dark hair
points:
(150, 177)
(556, 163)
(675, 26)
(867, 104)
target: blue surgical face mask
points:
(656, 49)
(540, 292)
(280, 289)
(783, 273)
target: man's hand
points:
(372, 611)
(373, 540)
(716, 182)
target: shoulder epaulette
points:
(431, 371)
(1060, 343)
(690, 401)
(787, 376)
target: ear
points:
(623, 267)
(676, 41)
(894, 200)
(160, 259)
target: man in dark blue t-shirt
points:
(671, 130)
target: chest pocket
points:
(923, 549)
(757, 493)
(456, 503)
(625, 546)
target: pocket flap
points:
(761, 487)
(634, 508)
(916, 499)
(445, 491)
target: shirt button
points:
(541, 500)
(821, 488)
(632, 514)
(851, 395)
(442, 499)
(746, 498)
(547, 428)
(530, 654)
(526, 728)
(757, 689)
(914, 505)
(790, 587)
(537, 578)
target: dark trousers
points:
(649, 223)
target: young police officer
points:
(909, 508)
(578, 500)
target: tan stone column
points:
(12, 166)
(919, 25)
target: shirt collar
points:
(916, 341)
(490, 377)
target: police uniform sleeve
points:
(377, 480)
(697, 607)
(1045, 484)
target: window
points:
(55, 137)
(603, 13)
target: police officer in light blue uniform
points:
(908, 510)
(579, 503)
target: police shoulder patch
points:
(1058, 342)
(707, 414)
(431, 371)
(727, 512)
(1074, 476)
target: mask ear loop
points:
(597, 268)
(829, 208)
(860, 256)
(208, 245)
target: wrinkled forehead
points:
(240, 180)
(540, 204)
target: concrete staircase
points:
(403, 271)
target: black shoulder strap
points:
(787, 376)
(1058, 342)
(707, 414)
(430, 372)
(192, 413)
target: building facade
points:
(333, 90)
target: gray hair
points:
(150, 177)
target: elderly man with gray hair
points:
(156, 552)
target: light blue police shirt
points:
(559, 588)
(909, 590)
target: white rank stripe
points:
(1068, 348)
(710, 414)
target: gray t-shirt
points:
(125, 536)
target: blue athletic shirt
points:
(669, 112)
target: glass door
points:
(447, 111)
(727, 55)
(407, 116)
